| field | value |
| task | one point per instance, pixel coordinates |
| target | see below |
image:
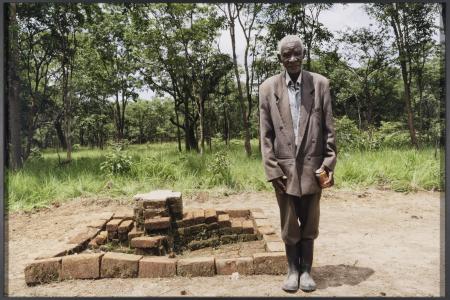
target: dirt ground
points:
(371, 243)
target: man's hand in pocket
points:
(280, 184)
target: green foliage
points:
(118, 161)
(392, 134)
(224, 170)
(35, 153)
(388, 135)
(219, 169)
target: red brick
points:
(147, 241)
(236, 226)
(125, 226)
(272, 263)
(119, 265)
(247, 226)
(188, 218)
(155, 212)
(210, 216)
(196, 266)
(224, 220)
(93, 244)
(113, 225)
(81, 266)
(101, 238)
(43, 271)
(151, 267)
(112, 235)
(238, 213)
(242, 265)
(199, 216)
(134, 233)
(157, 223)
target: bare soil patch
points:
(371, 243)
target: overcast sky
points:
(339, 17)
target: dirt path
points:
(371, 243)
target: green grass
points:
(160, 166)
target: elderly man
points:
(297, 141)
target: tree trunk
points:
(13, 94)
(401, 47)
(247, 144)
(60, 132)
(201, 115)
(178, 129)
(66, 103)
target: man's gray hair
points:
(288, 39)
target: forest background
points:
(76, 125)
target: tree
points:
(231, 11)
(297, 19)
(365, 55)
(13, 92)
(112, 39)
(177, 62)
(412, 24)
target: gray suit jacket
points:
(316, 136)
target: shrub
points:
(117, 162)
(219, 169)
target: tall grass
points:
(43, 180)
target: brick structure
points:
(142, 242)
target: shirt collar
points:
(288, 78)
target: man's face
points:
(291, 56)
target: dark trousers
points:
(299, 217)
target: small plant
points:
(219, 169)
(117, 162)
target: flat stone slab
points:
(157, 198)
(152, 267)
(119, 265)
(197, 266)
(81, 266)
(43, 271)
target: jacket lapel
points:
(307, 99)
(282, 101)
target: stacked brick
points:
(210, 228)
(120, 265)
(154, 213)
(156, 205)
(157, 227)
